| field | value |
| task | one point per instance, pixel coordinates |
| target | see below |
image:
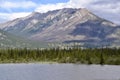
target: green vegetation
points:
(76, 55)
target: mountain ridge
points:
(64, 25)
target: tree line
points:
(71, 55)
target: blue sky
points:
(32, 5)
(11, 9)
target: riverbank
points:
(76, 56)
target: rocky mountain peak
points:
(62, 25)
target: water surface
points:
(58, 72)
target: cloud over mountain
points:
(103, 8)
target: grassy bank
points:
(84, 56)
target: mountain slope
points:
(64, 25)
(8, 40)
(29, 25)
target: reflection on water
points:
(58, 72)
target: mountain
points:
(64, 25)
(8, 40)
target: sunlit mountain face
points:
(64, 25)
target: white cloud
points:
(80, 3)
(71, 4)
(9, 5)
(22, 4)
(11, 16)
(18, 15)
(99, 7)
(108, 9)
(49, 7)
(90, 4)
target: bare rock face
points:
(64, 25)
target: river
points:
(58, 72)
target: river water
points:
(58, 72)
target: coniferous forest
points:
(75, 55)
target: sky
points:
(11, 9)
